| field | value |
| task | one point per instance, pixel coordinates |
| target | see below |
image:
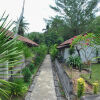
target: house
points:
(87, 54)
(64, 49)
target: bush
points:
(27, 51)
(18, 88)
(53, 52)
(27, 74)
(40, 53)
(38, 60)
(31, 67)
(71, 50)
(80, 87)
(75, 62)
(95, 87)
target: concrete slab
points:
(44, 88)
(91, 97)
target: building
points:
(87, 54)
(4, 71)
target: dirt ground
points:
(75, 74)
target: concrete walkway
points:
(44, 84)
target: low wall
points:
(5, 73)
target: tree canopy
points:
(23, 26)
(78, 14)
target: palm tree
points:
(8, 49)
(22, 26)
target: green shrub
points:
(80, 87)
(38, 60)
(71, 50)
(40, 53)
(18, 88)
(75, 62)
(53, 52)
(95, 87)
(27, 51)
(27, 74)
(31, 67)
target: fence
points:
(65, 81)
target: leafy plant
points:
(5, 89)
(18, 88)
(40, 53)
(38, 60)
(31, 67)
(80, 87)
(71, 50)
(84, 42)
(53, 52)
(95, 87)
(27, 51)
(27, 74)
(8, 48)
(75, 62)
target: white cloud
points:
(98, 14)
(35, 11)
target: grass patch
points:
(95, 75)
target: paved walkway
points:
(44, 88)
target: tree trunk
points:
(78, 51)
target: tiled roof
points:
(67, 42)
(22, 38)
(61, 46)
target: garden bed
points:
(26, 85)
(75, 74)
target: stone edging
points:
(57, 88)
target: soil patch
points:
(76, 74)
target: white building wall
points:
(89, 55)
(66, 53)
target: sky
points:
(34, 13)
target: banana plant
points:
(9, 53)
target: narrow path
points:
(44, 88)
